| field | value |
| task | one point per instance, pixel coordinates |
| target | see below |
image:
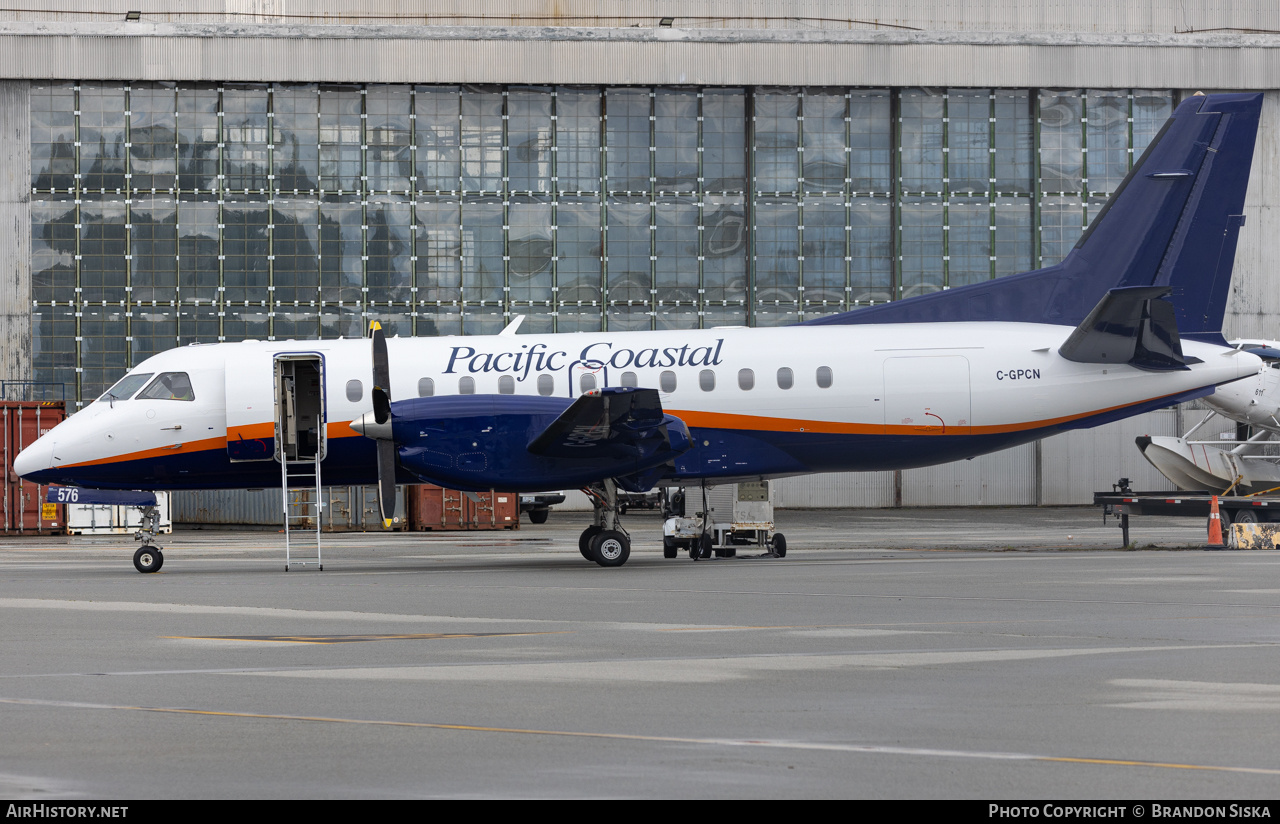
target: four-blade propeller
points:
(377, 425)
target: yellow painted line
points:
(347, 639)
(662, 739)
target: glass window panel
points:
(481, 140)
(1013, 236)
(438, 246)
(1013, 141)
(341, 247)
(623, 317)
(154, 330)
(870, 159)
(724, 136)
(921, 116)
(103, 273)
(153, 137)
(824, 248)
(746, 379)
(724, 247)
(627, 152)
(628, 250)
(546, 384)
(244, 128)
(197, 121)
(676, 140)
(387, 134)
(824, 141)
(921, 239)
(295, 323)
(824, 377)
(296, 137)
(483, 269)
(1150, 110)
(578, 245)
(53, 249)
(1061, 158)
(586, 382)
(1061, 224)
(529, 138)
(629, 379)
(667, 381)
(355, 390)
(388, 270)
(530, 248)
(53, 346)
(707, 380)
(295, 244)
(341, 136)
(871, 250)
(724, 316)
(434, 321)
(483, 320)
(104, 354)
(102, 136)
(199, 324)
(574, 318)
(154, 245)
(969, 241)
(578, 140)
(426, 387)
(1108, 139)
(246, 272)
(777, 250)
(786, 378)
(437, 133)
(53, 136)
(673, 316)
(506, 385)
(777, 137)
(969, 140)
(198, 251)
(340, 322)
(394, 322)
(676, 270)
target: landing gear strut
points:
(605, 541)
(148, 558)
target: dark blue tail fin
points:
(1173, 221)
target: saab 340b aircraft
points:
(1129, 321)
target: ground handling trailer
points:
(1122, 502)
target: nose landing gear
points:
(148, 558)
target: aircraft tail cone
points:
(1215, 525)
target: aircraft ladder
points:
(302, 505)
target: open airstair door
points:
(299, 407)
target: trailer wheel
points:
(1244, 516)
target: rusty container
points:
(24, 509)
(436, 508)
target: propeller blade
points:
(387, 481)
(381, 376)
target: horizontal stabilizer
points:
(1132, 325)
(619, 420)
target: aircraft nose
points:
(35, 458)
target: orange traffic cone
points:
(1215, 525)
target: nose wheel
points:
(148, 559)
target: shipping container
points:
(112, 519)
(25, 510)
(436, 508)
(347, 508)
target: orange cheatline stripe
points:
(183, 449)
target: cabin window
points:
(667, 381)
(125, 387)
(707, 380)
(355, 391)
(426, 388)
(629, 379)
(506, 385)
(786, 378)
(824, 377)
(546, 385)
(746, 379)
(466, 385)
(587, 382)
(170, 386)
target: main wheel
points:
(669, 548)
(538, 516)
(584, 541)
(611, 548)
(779, 545)
(148, 559)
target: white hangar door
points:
(927, 395)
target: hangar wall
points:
(992, 44)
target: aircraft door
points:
(299, 407)
(927, 395)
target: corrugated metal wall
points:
(15, 231)
(1152, 16)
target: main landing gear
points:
(605, 541)
(148, 558)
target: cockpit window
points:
(126, 386)
(170, 386)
